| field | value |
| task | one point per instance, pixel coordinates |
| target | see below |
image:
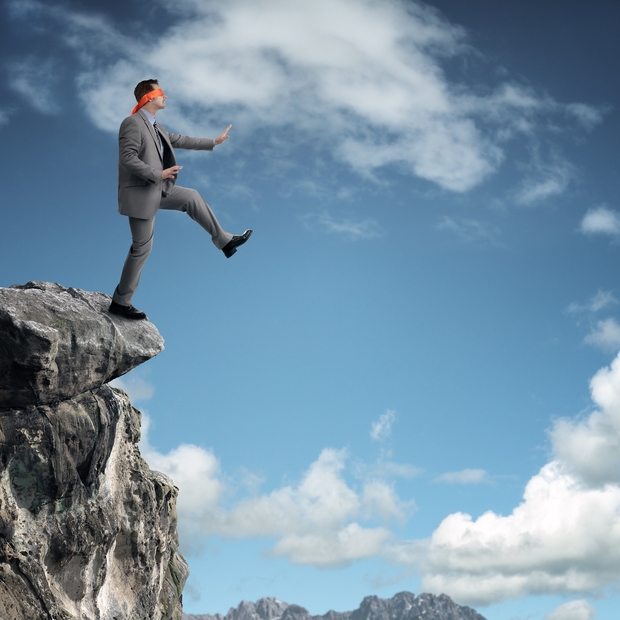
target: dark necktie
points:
(161, 144)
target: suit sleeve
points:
(186, 142)
(129, 146)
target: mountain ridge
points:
(402, 606)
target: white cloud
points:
(315, 522)
(465, 476)
(196, 472)
(606, 335)
(573, 610)
(382, 428)
(363, 80)
(587, 115)
(564, 537)
(544, 182)
(590, 448)
(354, 229)
(601, 300)
(469, 230)
(601, 220)
(35, 80)
(137, 388)
(333, 549)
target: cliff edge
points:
(87, 530)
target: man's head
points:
(153, 104)
(145, 86)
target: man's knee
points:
(141, 248)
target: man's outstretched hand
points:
(170, 173)
(223, 136)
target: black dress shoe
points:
(231, 247)
(128, 312)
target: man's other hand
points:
(223, 136)
(170, 173)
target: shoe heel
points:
(230, 252)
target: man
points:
(147, 173)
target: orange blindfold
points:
(154, 93)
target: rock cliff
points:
(402, 606)
(87, 530)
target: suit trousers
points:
(179, 199)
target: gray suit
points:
(142, 192)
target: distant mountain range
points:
(402, 606)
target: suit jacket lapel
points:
(152, 132)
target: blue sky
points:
(408, 379)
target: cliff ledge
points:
(87, 530)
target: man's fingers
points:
(170, 173)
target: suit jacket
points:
(140, 164)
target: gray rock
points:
(56, 342)
(87, 530)
(402, 606)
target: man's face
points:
(158, 102)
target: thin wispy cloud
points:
(362, 81)
(381, 429)
(469, 230)
(601, 221)
(351, 228)
(605, 334)
(602, 299)
(545, 181)
(465, 476)
(34, 79)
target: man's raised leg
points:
(191, 202)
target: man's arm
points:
(197, 144)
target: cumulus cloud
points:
(317, 522)
(564, 537)
(361, 80)
(382, 428)
(590, 448)
(465, 476)
(573, 610)
(601, 220)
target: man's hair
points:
(145, 86)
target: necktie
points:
(161, 144)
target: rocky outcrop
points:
(87, 530)
(59, 342)
(402, 606)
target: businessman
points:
(147, 174)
